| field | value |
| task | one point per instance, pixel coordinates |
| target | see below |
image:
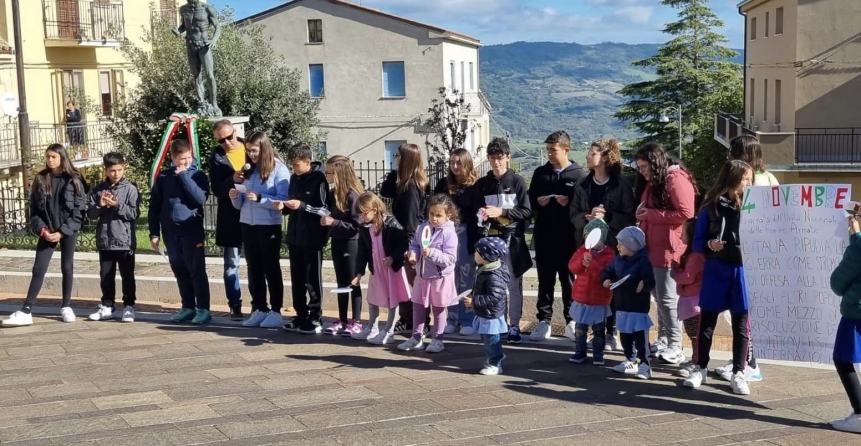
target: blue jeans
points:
(493, 349)
(598, 340)
(231, 276)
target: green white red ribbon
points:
(174, 122)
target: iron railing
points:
(828, 145)
(86, 142)
(84, 20)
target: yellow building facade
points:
(71, 51)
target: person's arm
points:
(532, 192)
(847, 270)
(682, 196)
(73, 224)
(623, 216)
(363, 255)
(318, 198)
(692, 271)
(522, 211)
(609, 273)
(282, 186)
(647, 275)
(701, 232)
(220, 179)
(238, 201)
(36, 221)
(349, 226)
(447, 255)
(212, 16)
(578, 208)
(575, 264)
(94, 208)
(389, 188)
(196, 184)
(128, 210)
(154, 212)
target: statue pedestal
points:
(238, 123)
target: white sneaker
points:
(68, 314)
(569, 330)
(626, 368)
(659, 346)
(644, 371)
(435, 346)
(18, 319)
(255, 319)
(490, 370)
(466, 330)
(128, 314)
(672, 356)
(450, 328)
(724, 372)
(685, 369)
(696, 378)
(273, 319)
(753, 374)
(852, 423)
(382, 338)
(411, 344)
(102, 314)
(739, 384)
(367, 333)
(612, 344)
(540, 332)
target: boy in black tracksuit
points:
(306, 203)
(115, 203)
(551, 189)
(176, 211)
(504, 207)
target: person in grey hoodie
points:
(115, 203)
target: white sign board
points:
(9, 104)
(793, 236)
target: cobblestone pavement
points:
(155, 383)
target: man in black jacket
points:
(504, 212)
(306, 203)
(226, 168)
(550, 191)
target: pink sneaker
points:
(334, 328)
(353, 327)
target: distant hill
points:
(538, 87)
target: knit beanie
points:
(632, 238)
(491, 248)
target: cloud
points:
(635, 14)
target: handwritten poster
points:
(792, 238)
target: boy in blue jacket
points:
(176, 212)
(488, 300)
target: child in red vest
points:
(591, 304)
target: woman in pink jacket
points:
(667, 194)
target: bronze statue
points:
(195, 20)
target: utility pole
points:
(23, 117)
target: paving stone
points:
(170, 415)
(65, 427)
(244, 429)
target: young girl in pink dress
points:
(383, 244)
(435, 282)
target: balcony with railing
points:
(86, 142)
(83, 22)
(828, 146)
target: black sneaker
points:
(293, 324)
(311, 327)
(236, 314)
(402, 328)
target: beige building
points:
(802, 88)
(375, 74)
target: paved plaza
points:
(155, 383)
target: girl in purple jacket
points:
(434, 252)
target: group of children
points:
(709, 275)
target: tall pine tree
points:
(695, 72)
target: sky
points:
(505, 21)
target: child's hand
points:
(356, 280)
(233, 194)
(54, 237)
(640, 286)
(467, 301)
(292, 204)
(238, 177)
(607, 283)
(716, 245)
(562, 200)
(387, 261)
(542, 201)
(277, 205)
(587, 260)
(154, 243)
(411, 258)
(251, 196)
(326, 221)
(425, 252)
(110, 200)
(492, 211)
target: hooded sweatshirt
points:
(312, 190)
(553, 230)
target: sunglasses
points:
(226, 138)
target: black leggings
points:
(344, 255)
(740, 339)
(638, 338)
(263, 255)
(849, 378)
(44, 252)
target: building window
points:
(471, 78)
(106, 94)
(452, 76)
(394, 82)
(315, 31)
(753, 28)
(767, 23)
(462, 77)
(765, 100)
(778, 21)
(72, 85)
(777, 88)
(315, 76)
(391, 150)
(752, 97)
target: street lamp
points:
(665, 119)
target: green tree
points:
(694, 72)
(252, 81)
(445, 124)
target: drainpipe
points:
(744, 71)
(23, 117)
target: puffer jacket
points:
(490, 290)
(395, 244)
(626, 297)
(587, 288)
(273, 189)
(72, 207)
(846, 279)
(663, 227)
(443, 251)
(116, 226)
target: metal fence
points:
(86, 142)
(84, 20)
(834, 145)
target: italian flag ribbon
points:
(174, 123)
